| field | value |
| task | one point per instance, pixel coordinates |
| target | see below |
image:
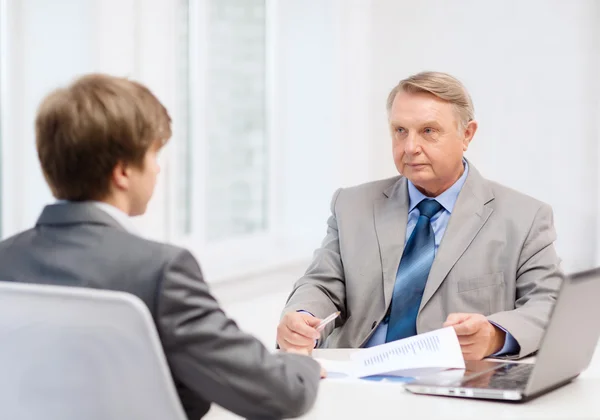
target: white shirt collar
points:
(120, 216)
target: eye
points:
(400, 130)
(428, 130)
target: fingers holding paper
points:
(478, 337)
(297, 331)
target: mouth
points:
(415, 165)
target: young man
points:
(97, 141)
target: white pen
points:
(327, 320)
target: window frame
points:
(230, 257)
(3, 118)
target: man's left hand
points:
(478, 337)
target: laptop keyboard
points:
(511, 376)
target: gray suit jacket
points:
(496, 258)
(210, 358)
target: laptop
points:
(565, 351)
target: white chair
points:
(73, 354)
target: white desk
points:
(360, 399)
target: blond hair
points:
(441, 85)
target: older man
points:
(437, 246)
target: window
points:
(254, 155)
(223, 179)
(3, 60)
(222, 187)
(236, 122)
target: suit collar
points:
(478, 186)
(391, 218)
(398, 189)
(72, 213)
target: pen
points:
(327, 321)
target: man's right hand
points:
(296, 331)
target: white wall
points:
(38, 52)
(307, 71)
(532, 70)
(48, 45)
(530, 66)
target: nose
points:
(411, 145)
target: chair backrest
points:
(72, 354)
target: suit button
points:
(374, 324)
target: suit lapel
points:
(391, 216)
(468, 217)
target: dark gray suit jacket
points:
(78, 244)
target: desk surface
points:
(360, 399)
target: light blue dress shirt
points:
(439, 222)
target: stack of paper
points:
(414, 356)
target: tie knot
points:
(428, 208)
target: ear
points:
(121, 176)
(469, 133)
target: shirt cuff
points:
(511, 346)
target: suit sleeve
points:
(322, 289)
(538, 279)
(212, 357)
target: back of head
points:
(86, 128)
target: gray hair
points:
(442, 85)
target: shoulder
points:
(517, 202)
(504, 200)
(157, 251)
(368, 191)
(18, 241)
(518, 213)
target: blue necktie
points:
(413, 271)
